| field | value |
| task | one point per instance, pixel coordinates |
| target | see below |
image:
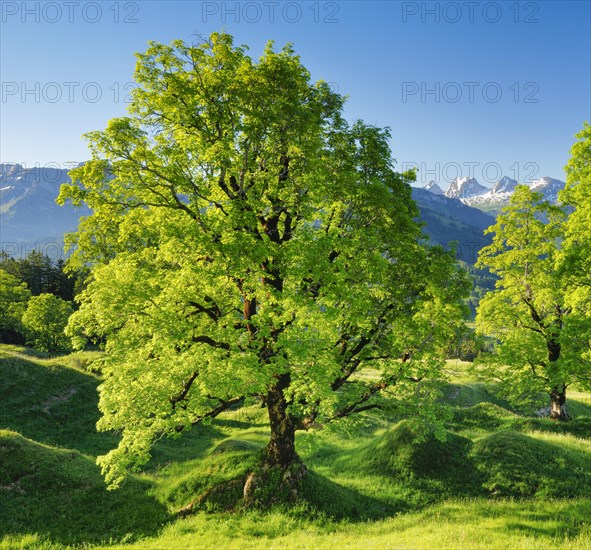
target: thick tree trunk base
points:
(274, 484)
(558, 405)
(269, 484)
(559, 414)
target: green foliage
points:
(519, 465)
(528, 314)
(465, 345)
(246, 242)
(44, 323)
(13, 302)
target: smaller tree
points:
(44, 322)
(527, 312)
(575, 257)
(14, 295)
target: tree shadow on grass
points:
(326, 498)
(552, 520)
(60, 494)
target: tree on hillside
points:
(14, 295)
(44, 323)
(575, 258)
(249, 245)
(527, 312)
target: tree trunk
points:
(557, 403)
(279, 477)
(281, 449)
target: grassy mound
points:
(515, 464)
(407, 454)
(49, 402)
(215, 483)
(60, 493)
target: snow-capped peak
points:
(549, 187)
(434, 188)
(504, 185)
(463, 188)
(544, 182)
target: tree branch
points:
(210, 342)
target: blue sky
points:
(467, 88)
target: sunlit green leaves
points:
(529, 314)
(243, 230)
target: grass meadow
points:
(497, 479)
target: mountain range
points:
(492, 200)
(28, 211)
(30, 217)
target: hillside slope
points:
(448, 219)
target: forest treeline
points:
(36, 301)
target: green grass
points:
(59, 492)
(492, 479)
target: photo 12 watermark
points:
(23, 173)
(269, 12)
(75, 92)
(70, 12)
(484, 172)
(66, 92)
(469, 92)
(470, 12)
(19, 250)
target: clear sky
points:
(478, 89)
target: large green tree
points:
(249, 245)
(528, 313)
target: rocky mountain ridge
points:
(471, 193)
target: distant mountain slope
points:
(28, 212)
(448, 219)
